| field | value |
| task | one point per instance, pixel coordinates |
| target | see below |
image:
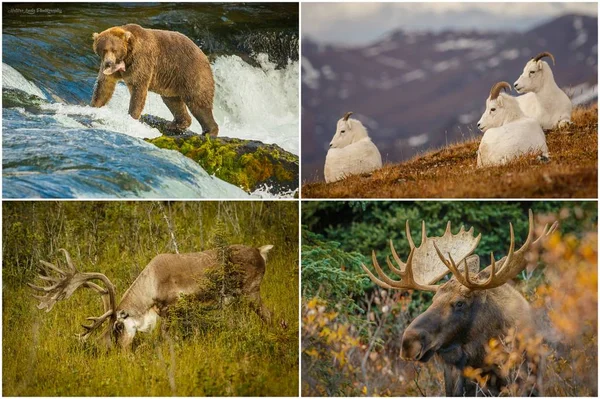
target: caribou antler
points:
(423, 269)
(66, 282)
(510, 266)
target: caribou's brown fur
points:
(158, 286)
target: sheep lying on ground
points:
(544, 100)
(508, 133)
(351, 151)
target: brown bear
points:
(167, 63)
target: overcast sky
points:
(360, 23)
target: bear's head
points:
(112, 46)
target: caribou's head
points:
(460, 307)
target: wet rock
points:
(249, 164)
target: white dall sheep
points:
(543, 99)
(507, 132)
(351, 151)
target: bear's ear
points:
(128, 35)
(94, 36)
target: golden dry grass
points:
(451, 173)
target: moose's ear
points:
(95, 36)
(128, 35)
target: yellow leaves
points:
(477, 375)
(326, 338)
(554, 240)
(312, 352)
(340, 357)
(514, 357)
(571, 295)
(312, 303)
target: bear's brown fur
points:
(167, 63)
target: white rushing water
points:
(253, 103)
(12, 79)
(258, 103)
(72, 134)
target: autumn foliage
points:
(357, 354)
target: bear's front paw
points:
(177, 127)
(214, 132)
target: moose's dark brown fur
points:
(467, 311)
(457, 327)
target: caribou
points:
(469, 309)
(162, 282)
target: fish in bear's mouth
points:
(116, 67)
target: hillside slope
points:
(451, 173)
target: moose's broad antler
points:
(423, 268)
(66, 282)
(509, 266)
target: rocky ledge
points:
(248, 164)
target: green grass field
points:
(233, 353)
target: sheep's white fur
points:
(351, 151)
(543, 99)
(508, 133)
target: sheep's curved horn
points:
(497, 88)
(544, 54)
(347, 115)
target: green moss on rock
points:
(245, 163)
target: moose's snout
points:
(413, 342)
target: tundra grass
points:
(451, 171)
(241, 356)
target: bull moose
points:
(158, 286)
(469, 309)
